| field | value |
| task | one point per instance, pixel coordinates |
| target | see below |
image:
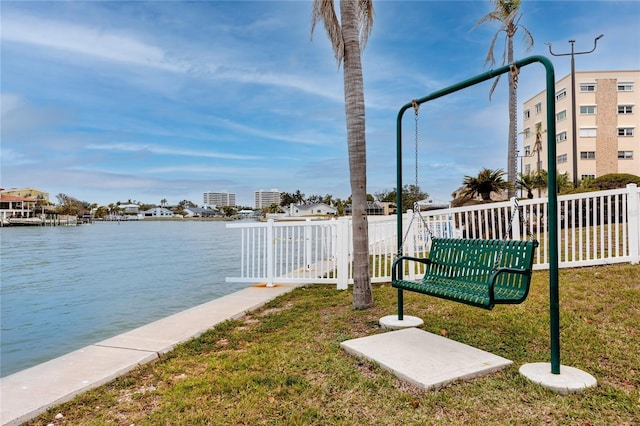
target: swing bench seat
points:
(465, 271)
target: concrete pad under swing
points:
(423, 359)
(392, 322)
(569, 380)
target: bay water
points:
(63, 288)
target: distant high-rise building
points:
(606, 122)
(219, 199)
(266, 198)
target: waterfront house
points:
(15, 207)
(157, 212)
(129, 208)
(200, 212)
(30, 193)
(317, 209)
(373, 209)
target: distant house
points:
(157, 212)
(200, 212)
(317, 209)
(247, 213)
(387, 207)
(373, 209)
(129, 208)
(30, 193)
(13, 206)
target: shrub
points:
(614, 181)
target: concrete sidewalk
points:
(26, 394)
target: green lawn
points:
(282, 365)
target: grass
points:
(282, 364)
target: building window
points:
(625, 87)
(587, 132)
(527, 132)
(561, 94)
(527, 150)
(538, 107)
(527, 114)
(625, 155)
(625, 131)
(561, 115)
(587, 87)
(625, 109)
(583, 177)
(560, 137)
(562, 158)
(527, 169)
(587, 155)
(587, 109)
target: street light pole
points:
(573, 100)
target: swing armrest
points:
(497, 272)
(394, 274)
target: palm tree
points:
(506, 12)
(527, 182)
(348, 36)
(484, 184)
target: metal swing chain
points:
(416, 206)
(416, 108)
(514, 209)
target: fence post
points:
(342, 253)
(307, 244)
(270, 246)
(633, 216)
(515, 221)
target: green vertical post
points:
(399, 202)
(552, 193)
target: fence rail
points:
(594, 228)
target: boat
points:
(25, 221)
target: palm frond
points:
(489, 17)
(366, 12)
(493, 86)
(323, 10)
(527, 38)
(490, 59)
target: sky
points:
(110, 101)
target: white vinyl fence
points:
(594, 228)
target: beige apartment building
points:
(219, 199)
(607, 124)
(266, 198)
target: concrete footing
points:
(569, 380)
(393, 323)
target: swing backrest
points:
(474, 261)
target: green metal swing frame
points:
(554, 308)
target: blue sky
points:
(110, 101)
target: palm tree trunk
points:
(354, 109)
(512, 161)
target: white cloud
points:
(155, 149)
(87, 41)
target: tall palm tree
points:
(484, 184)
(506, 13)
(348, 37)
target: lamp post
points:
(573, 99)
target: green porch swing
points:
(485, 272)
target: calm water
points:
(63, 288)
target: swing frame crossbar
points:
(554, 306)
